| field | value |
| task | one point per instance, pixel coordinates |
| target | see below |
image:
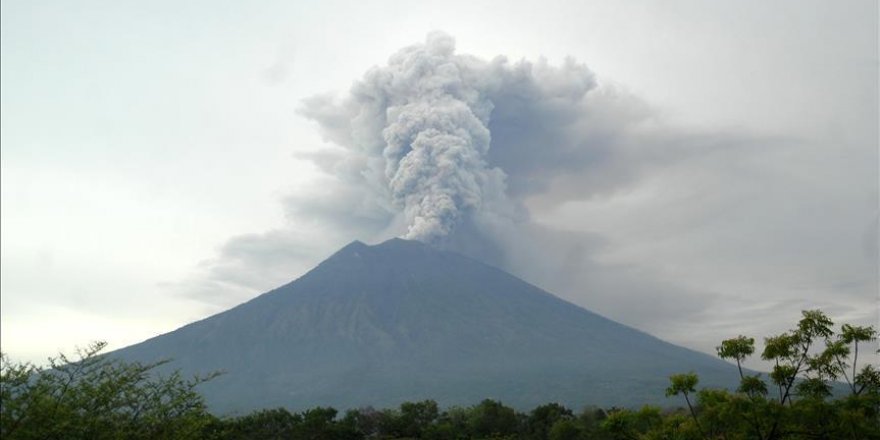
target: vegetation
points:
(807, 363)
(96, 397)
(815, 390)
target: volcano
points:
(403, 321)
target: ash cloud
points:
(485, 157)
(422, 123)
(422, 129)
(445, 139)
(451, 149)
(459, 152)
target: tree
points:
(791, 352)
(543, 418)
(565, 429)
(630, 425)
(264, 424)
(367, 421)
(685, 384)
(850, 336)
(97, 397)
(416, 417)
(491, 418)
(807, 360)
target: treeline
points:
(416, 420)
(719, 415)
(97, 397)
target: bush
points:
(96, 397)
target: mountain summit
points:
(378, 325)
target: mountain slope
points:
(377, 325)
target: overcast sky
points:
(694, 169)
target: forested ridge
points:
(817, 389)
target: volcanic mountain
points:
(398, 321)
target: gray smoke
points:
(465, 153)
(580, 188)
(423, 125)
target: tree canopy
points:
(98, 397)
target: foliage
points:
(808, 360)
(95, 397)
(544, 419)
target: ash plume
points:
(464, 153)
(423, 123)
(574, 185)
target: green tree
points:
(851, 336)
(98, 397)
(565, 429)
(264, 424)
(320, 423)
(451, 424)
(686, 385)
(626, 424)
(791, 352)
(367, 421)
(543, 418)
(492, 419)
(417, 417)
(807, 360)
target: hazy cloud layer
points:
(580, 188)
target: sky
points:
(697, 170)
